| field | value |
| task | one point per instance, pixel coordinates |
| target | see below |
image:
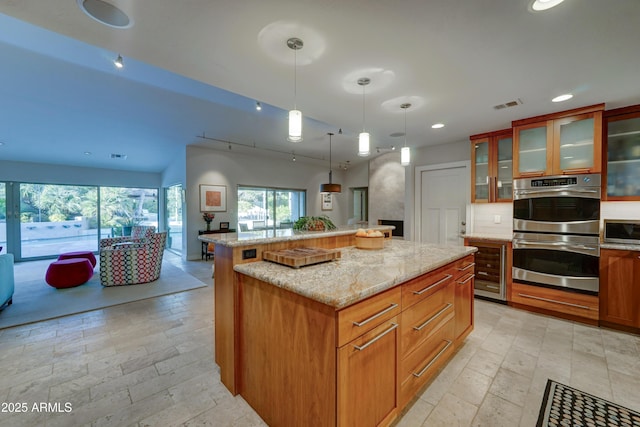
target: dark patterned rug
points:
(565, 406)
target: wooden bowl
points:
(370, 242)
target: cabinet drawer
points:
(572, 303)
(420, 366)
(422, 320)
(463, 267)
(363, 316)
(418, 289)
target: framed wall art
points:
(213, 198)
(327, 201)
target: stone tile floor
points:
(150, 363)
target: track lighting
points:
(258, 106)
(119, 63)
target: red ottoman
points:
(80, 254)
(68, 273)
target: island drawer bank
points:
(350, 342)
(247, 247)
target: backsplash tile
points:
(483, 216)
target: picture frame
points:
(327, 201)
(224, 226)
(213, 198)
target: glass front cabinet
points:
(563, 143)
(491, 164)
(621, 180)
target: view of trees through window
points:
(64, 218)
(262, 208)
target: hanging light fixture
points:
(295, 115)
(330, 187)
(405, 152)
(363, 138)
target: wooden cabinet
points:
(621, 175)
(464, 282)
(302, 362)
(620, 288)
(491, 167)
(566, 304)
(367, 378)
(569, 142)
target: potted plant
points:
(128, 222)
(314, 223)
(208, 217)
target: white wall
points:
(230, 168)
(386, 188)
(72, 175)
(430, 155)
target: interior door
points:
(443, 193)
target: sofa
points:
(136, 261)
(7, 284)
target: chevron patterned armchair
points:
(131, 262)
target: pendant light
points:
(330, 187)
(405, 152)
(363, 138)
(295, 115)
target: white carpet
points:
(34, 300)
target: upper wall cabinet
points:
(622, 147)
(491, 167)
(562, 143)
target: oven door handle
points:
(568, 191)
(589, 249)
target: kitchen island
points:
(347, 342)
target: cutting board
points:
(299, 257)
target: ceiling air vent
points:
(508, 104)
(119, 156)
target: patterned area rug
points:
(565, 406)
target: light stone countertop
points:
(620, 246)
(489, 236)
(249, 238)
(359, 273)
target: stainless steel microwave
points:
(622, 231)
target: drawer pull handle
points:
(492, 287)
(447, 277)
(375, 316)
(368, 343)
(432, 318)
(555, 301)
(466, 267)
(419, 374)
(482, 273)
(468, 278)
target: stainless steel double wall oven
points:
(556, 222)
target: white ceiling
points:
(197, 67)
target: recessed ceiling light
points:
(87, 153)
(105, 13)
(437, 126)
(1, 143)
(540, 5)
(563, 97)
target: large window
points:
(57, 218)
(269, 208)
(121, 208)
(173, 217)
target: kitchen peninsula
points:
(346, 342)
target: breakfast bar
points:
(344, 342)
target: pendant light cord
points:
(295, 79)
(405, 127)
(363, 108)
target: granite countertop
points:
(489, 236)
(620, 246)
(359, 273)
(248, 238)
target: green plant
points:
(129, 221)
(314, 223)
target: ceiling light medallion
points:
(295, 115)
(363, 138)
(330, 187)
(405, 152)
